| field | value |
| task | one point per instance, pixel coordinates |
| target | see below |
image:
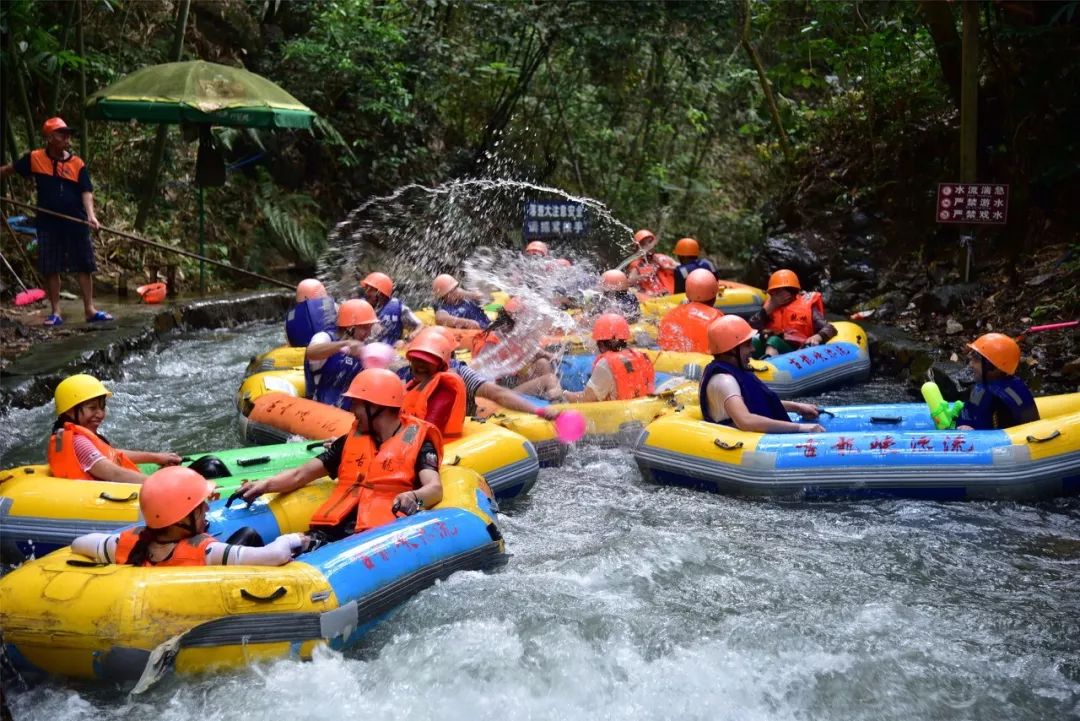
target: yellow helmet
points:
(77, 389)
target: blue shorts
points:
(65, 251)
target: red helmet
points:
(687, 247)
(380, 282)
(536, 247)
(999, 349)
(644, 237)
(701, 286)
(309, 289)
(614, 280)
(784, 278)
(443, 284)
(728, 332)
(355, 312)
(430, 345)
(168, 495)
(378, 386)
(611, 326)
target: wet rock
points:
(860, 272)
(947, 298)
(841, 296)
(788, 251)
(952, 327)
(1071, 370)
(893, 351)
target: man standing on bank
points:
(63, 186)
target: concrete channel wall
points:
(29, 381)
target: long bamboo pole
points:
(152, 243)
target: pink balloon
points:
(570, 426)
(377, 355)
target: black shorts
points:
(65, 251)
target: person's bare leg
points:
(52, 287)
(546, 386)
(86, 285)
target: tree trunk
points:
(150, 184)
(54, 98)
(766, 87)
(969, 95)
(941, 23)
(20, 92)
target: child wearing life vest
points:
(456, 307)
(434, 393)
(688, 250)
(396, 320)
(388, 463)
(790, 318)
(999, 399)
(619, 372)
(174, 503)
(652, 273)
(686, 327)
(732, 395)
(332, 359)
(314, 312)
(76, 449)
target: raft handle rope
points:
(893, 420)
(248, 595)
(723, 445)
(81, 563)
(104, 495)
(1036, 439)
(238, 494)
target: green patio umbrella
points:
(203, 94)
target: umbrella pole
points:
(202, 243)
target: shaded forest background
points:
(654, 108)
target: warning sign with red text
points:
(986, 203)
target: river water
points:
(629, 601)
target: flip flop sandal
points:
(100, 317)
(53, 320)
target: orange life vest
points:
(633, 373)
(63, 463)
(369, 478)
(795, 321)
(686, 327)
(42, 164)
(480, 341)
(188, 552)
(417, 397)
(658, 274)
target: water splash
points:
(417, 232)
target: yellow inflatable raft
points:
(65, 615)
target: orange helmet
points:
(536, 247)
(378, 386)
(644, 236)
(614, 280)
(153, 293)
(52, 125)
(168, 495)
(309, 289)
(355, 312)
(1001, 350)
(432, 347)
(611, 326)
(687, 246)
(380, 282)
(728, 332)
(443, 332)
(784, 279)
(701, 286)
(443, 284)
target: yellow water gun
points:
(943, 412)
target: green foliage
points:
(291, 224)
